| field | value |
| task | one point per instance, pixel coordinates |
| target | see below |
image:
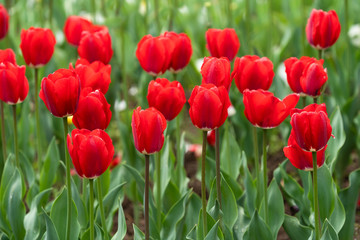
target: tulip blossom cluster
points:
(169, 51)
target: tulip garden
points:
(148, 119)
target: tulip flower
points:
(60, 92)
(182, 52)
(7, 55)
(73, 28)
(13, 82)
(95, 45)
(95, 75)
(155, 54)
(167, 97)
(222, 43)
(208, 106)
(216, 71)
(91, 151)
(322, 28)
(253, 72)
(93, 111)
(148, 128)
(306, 75)
(37, 46)
(264, 110)
(211, 138)
(4, 21)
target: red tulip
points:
(216, 71)
(264, 110)
(4, 21)
(211, 138)
(301, 159)
(93, 111)
(148, 128)
(60, 92)
(115, 161)
(253, 72)
(37, 46)
(73, 28)
(322, 28)
(155, 54)
(222, 43)
(305, 75)
(7, 55)
(311, 127)
(208, 106)
(14, 84)
(95, 45)
(95, 75)
(167, 97)
(91, 151)
(182, 52)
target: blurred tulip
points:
(222, 43)
(7, 55)
(37, 46)
(148, 128)
(311, 127)
(216, 71)
(155, 54)
(93, 111)
(167, 97)
(60, 92)
(115, 161)
(264, 110)
(14, 85)
(305, 75)
(253, 72)
(208, 106)
(4, 21)
(211, 138)
(182, 52)
(91, 151)
(95, 45)
(73, 28)
(322, 28)
(95, 75)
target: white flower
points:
(280, 71)
(354, 35)
(119, 105)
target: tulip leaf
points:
(250, 193)
(111, 198)
(58, 215)
(258, 230)
(140, 182)
(210, 223)
(192, 209)
(172, 196)
(294, 229)
(50, 166)
(349, 197)
(166, 165)
(212, 234)
(230, 155)
(338, 216)
(27, 169)
(335, 144)
(326, 193)
(121, 231)
(50, 233)
(80, 205)
(31, 221)
(192, 234)
(328, 232)
(138, 234)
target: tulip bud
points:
(73, 28)
(4, 21)
(222, 43)
(216, 71)
(7, 55)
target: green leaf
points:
(230, 155)
(111, 198)
(172, 196)
(121, 231)
(212, 234)
(294, 229)
(140, 182)
(336, 143)
(275, 207)
(210, 223)
(27, 168)
(80, 205)
(50, 166)
(250, 193)
(31, 220)
(349, 198)
(326, 193)
(50, 233)
(258, 230)
(138, 234)
(338, 216)
(192, 234)
(58, 215)
(328, 232)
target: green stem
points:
(158, 189)
(91, 209)
(271, 28)
(174, 76)
(248, 25)
(68, 181)
(157, 19)
(93, 6)
(203, 185)
(217, 160)
(257, 169)
(173, 4)
(146, 203)
(229, 14)
(136, 206)
(304, 101)
(37, 118)
(15, 137)
(3, 131)
(320, 53)
(315, 99)
(124, 78)
(50, 12)
(102, 213)
(265, 177)
(316, 198)
(103, 6)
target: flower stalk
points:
(265, 177)
(316, 198)
(15, 137)
(203, 185)
(37, 117)
(68, 181)
(3, 131)
(217, 160)
(102, 213)
(91, 208)
(146, 203)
